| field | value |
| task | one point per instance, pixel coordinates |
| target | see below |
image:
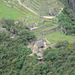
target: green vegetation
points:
(58, 36)
(67, 20)
(23, 33)
(9, 13)
(38, 5)
(13, 50)
(15, 56)
(12, 13)
(59, 61)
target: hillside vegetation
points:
(33, 20)
(15, 57)
(20, 26)
(67, 19)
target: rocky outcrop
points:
(72, 4)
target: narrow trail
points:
(47, 17)
(27, 7)
(60, 11)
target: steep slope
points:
(43, 7)
(43, 25)
(72, 5)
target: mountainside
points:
(72, 5)
(43, 7)
(46, 26)
(37, 37)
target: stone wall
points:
(45, 26)
(50, 31)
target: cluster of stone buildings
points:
(38, 46)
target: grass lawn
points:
(55, 37)
(9, 13)
(58, 36)
(12, 13)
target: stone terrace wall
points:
(45, 26)
(50, 31)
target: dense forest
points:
(67, 19)
(15, 57)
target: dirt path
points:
(60, 11)
(27, 7)
(47, 17)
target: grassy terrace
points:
(43, 29)
(36, 4)
(34, 7)
(45, 23)
(56, 36)
(9, 13)
(12, 13)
